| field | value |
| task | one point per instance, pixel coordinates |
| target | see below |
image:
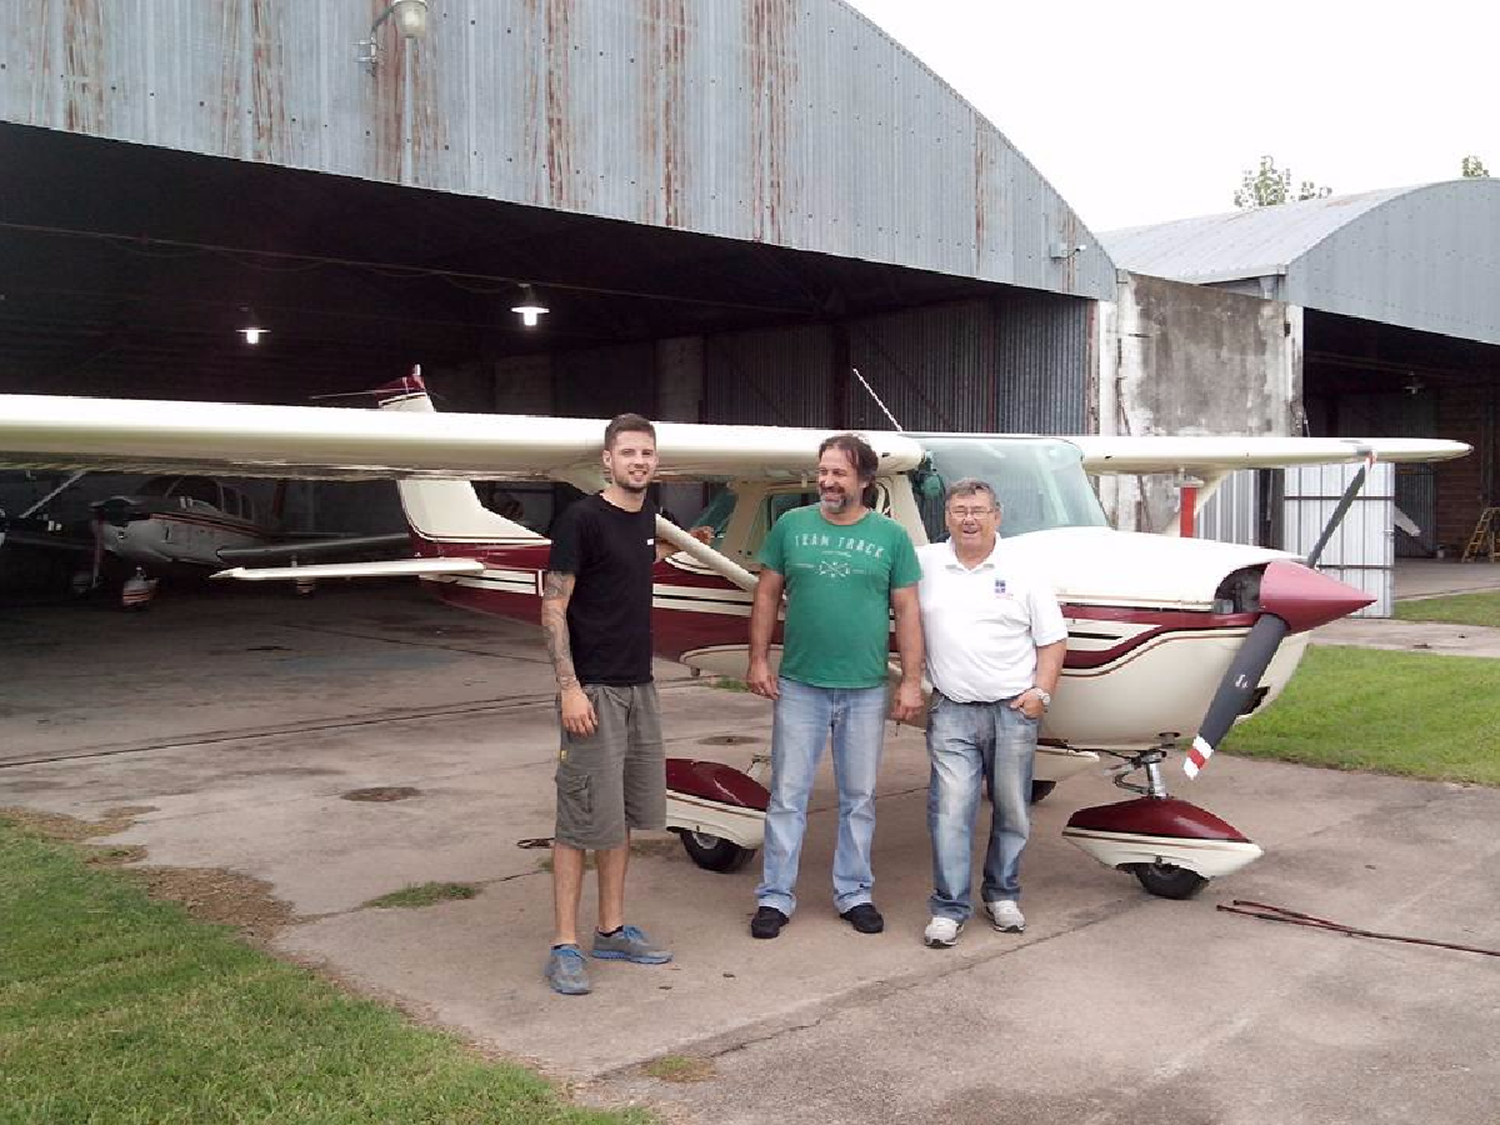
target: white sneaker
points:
(1006, 915)
(942, 933)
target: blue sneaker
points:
(566, 971)
(629, 943)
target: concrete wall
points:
(1181, 359)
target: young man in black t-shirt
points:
(611, 773)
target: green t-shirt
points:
(838, 592)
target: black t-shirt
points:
(610, 552)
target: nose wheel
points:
(1172, 847)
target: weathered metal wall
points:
(1425, 257)
(793, 122)
(1018, 364)
(1185, 359)
(778, 377)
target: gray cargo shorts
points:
(615, 778)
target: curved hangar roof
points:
(792, 122)
(1425, 257)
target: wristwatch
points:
(1044, 696)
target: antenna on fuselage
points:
(895, 425)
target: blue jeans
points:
(805, 717)
(970, 743)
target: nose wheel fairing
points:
(1173, 847)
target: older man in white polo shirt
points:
(995, 642)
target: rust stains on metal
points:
(83, 66)
(560, 162)
(230, 28)
(387, 87)
(664, 103)
(771, 25)
(267, 68)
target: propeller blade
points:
(1236, 688)
(1293, 599)
(1340, 510)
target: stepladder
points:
(1485, 542)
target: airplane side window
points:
(772, 508)
(198, 489)
(716, 516)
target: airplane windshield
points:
(1040, 481)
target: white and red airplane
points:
(1169, 638)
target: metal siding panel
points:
(1230, 515)
(1044, 358)
(794, 122)
(1361, 552)
(772, 378)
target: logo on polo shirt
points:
(999, 587)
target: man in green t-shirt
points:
(844, 569)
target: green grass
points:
(680, 1068)
(1460, 609)
(424, 894)
(728, 683)
(1404, 713)
(115, 1008)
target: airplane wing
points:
(131, 435)
(142, 436)
(389, 568)
(1212, 456)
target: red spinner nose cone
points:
(1305, 599)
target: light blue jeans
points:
(805, 718)
(969, 744)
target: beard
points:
(630, 486)
(835, 501)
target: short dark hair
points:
(857, 449)
(627, 424)
(971, 486)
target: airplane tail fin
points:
(445, 510)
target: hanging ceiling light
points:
(528, 308)
(252, 329)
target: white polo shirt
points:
(983, 626)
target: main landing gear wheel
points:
(1041, 790)
(1167, 880)
(714, 853)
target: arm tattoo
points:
(557, 590)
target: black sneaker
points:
(864, 918)
(767, 922)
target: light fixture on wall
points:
(1413, 385)
(410, 17)
(251, 327)
(1062, 251)
(528, 308)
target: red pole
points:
(1186, 523)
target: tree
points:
(1268, 185)
(1474, 168)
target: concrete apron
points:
(243, 727)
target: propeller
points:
(1293, 598)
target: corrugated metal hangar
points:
(1390, 302)
(726, 205)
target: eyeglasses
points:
(965, 513)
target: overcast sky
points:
(1140, 113)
